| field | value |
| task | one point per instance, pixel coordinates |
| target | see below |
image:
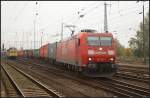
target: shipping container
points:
(20, 53)
(36, 52)
(25, 53)
(30, 53)
(44, 51)
(52, 51)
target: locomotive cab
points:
(99, 60)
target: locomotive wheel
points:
(73, 68)
(76, 68)
(68, 67)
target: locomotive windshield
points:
(105, 41)
(92, 40)
(99, 41)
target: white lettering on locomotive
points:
(100, 52)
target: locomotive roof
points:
(82, 33)
(89, 30)
(100, 34)
(12, 48)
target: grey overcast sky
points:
(17, 19)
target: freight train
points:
(12, 53)
(87, 52)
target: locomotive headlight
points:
(90, 59)
(111, 59)
(100, 48)
(111, 52)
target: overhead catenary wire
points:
(11, 17)
(86, 9)
(87, 12)
(119, 16)
(19, 13)
(121, 24)
(66, 21)
(116, 18)
(125, 15)
(72, 18)
(127, 9)
(98, 5)
(82, 9)
(92, 9)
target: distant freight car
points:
(3, 53)
(91, 53)
(30, 53)
(44, 51)
(26, 53)
(36, 53)
(20, 53)
(52, 52)
(48, 52)
(12, 53)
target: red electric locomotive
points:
(89, 52)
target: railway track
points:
(132, 77)
(8, 86)
(136, 70)
(134, 73)
(25, 85)
(50, 79)
(132, 66)
(126, 88)
(121, 88)
(77, 78)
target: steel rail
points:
(18, 90)
(9, 87)
(132, 77)
(52, 92)
(133, 70)
(133, 92)
(138, 89)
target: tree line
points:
(136, 43)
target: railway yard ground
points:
(36, 78)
